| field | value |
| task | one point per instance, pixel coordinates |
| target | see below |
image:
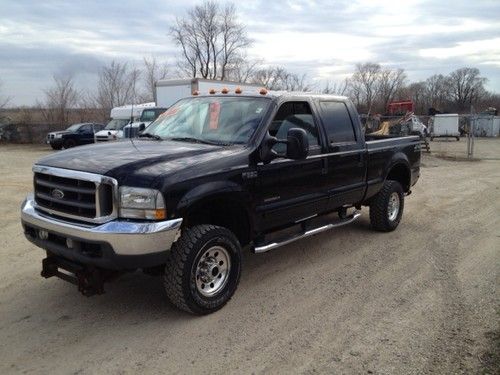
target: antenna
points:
(132, 110)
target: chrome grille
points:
(77, 195)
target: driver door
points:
(289, 191)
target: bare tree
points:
(243, 70)
(364, 83)
(153, 72)
(60, 99)
(466, 87)
(211, 40)
(336, 88)
(4, 100)
(417, 92)
(389, 83)
(117, 85)
(437, 89)
(278, 78)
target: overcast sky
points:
(323, 39)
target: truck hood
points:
(138, 160)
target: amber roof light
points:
(238, 90)
(225, 90)
(196, 92)
(263, 91)
(212, 91)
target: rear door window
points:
(337, 122)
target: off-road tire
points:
(379, 207)
(179, 279)
(54, 147)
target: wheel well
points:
(227, 213)
(401, 174)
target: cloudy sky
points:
(323, 39)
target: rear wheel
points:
(203, 269)
(386, 208)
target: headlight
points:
(58, 136)
(140, 203)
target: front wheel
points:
(55, 147)
(386, 208)
(203, 269)
(69, 143)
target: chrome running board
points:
(275, 244)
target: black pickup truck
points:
(212, 175)
(75, 135)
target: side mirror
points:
(297, 144)
(142, 127)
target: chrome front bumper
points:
(124, 237)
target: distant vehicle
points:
(147, 117)
(121, 117)
(445, 125)
(168, 91)
(75, 135)
(400, 108)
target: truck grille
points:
(76, 198)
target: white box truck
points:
(168, 91)
(445, 125)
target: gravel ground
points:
(422, 299)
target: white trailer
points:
(169, 91)
(445, 125)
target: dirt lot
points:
(422, 299)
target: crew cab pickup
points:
(76, 134)
(212, 175)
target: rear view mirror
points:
(297, 144)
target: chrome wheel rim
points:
(212, 271)
(393, 206)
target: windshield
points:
(74, 128)
(211, 119)
(116, 124)
(148, 115)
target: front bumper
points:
(117, 244)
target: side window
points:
(337, 122)
(293, 115)
(87, 128)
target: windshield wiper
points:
(197, 140)
(149, 135)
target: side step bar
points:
(273, 245)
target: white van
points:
(120, 118)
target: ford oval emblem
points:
(58, 194)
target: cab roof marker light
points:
(196, 93)
(212, 91)
(263, 91)
(225, 90)
(238, 90)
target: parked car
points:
(212, 175)
(75, 135)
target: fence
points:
(479, 139)
(474, 136)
